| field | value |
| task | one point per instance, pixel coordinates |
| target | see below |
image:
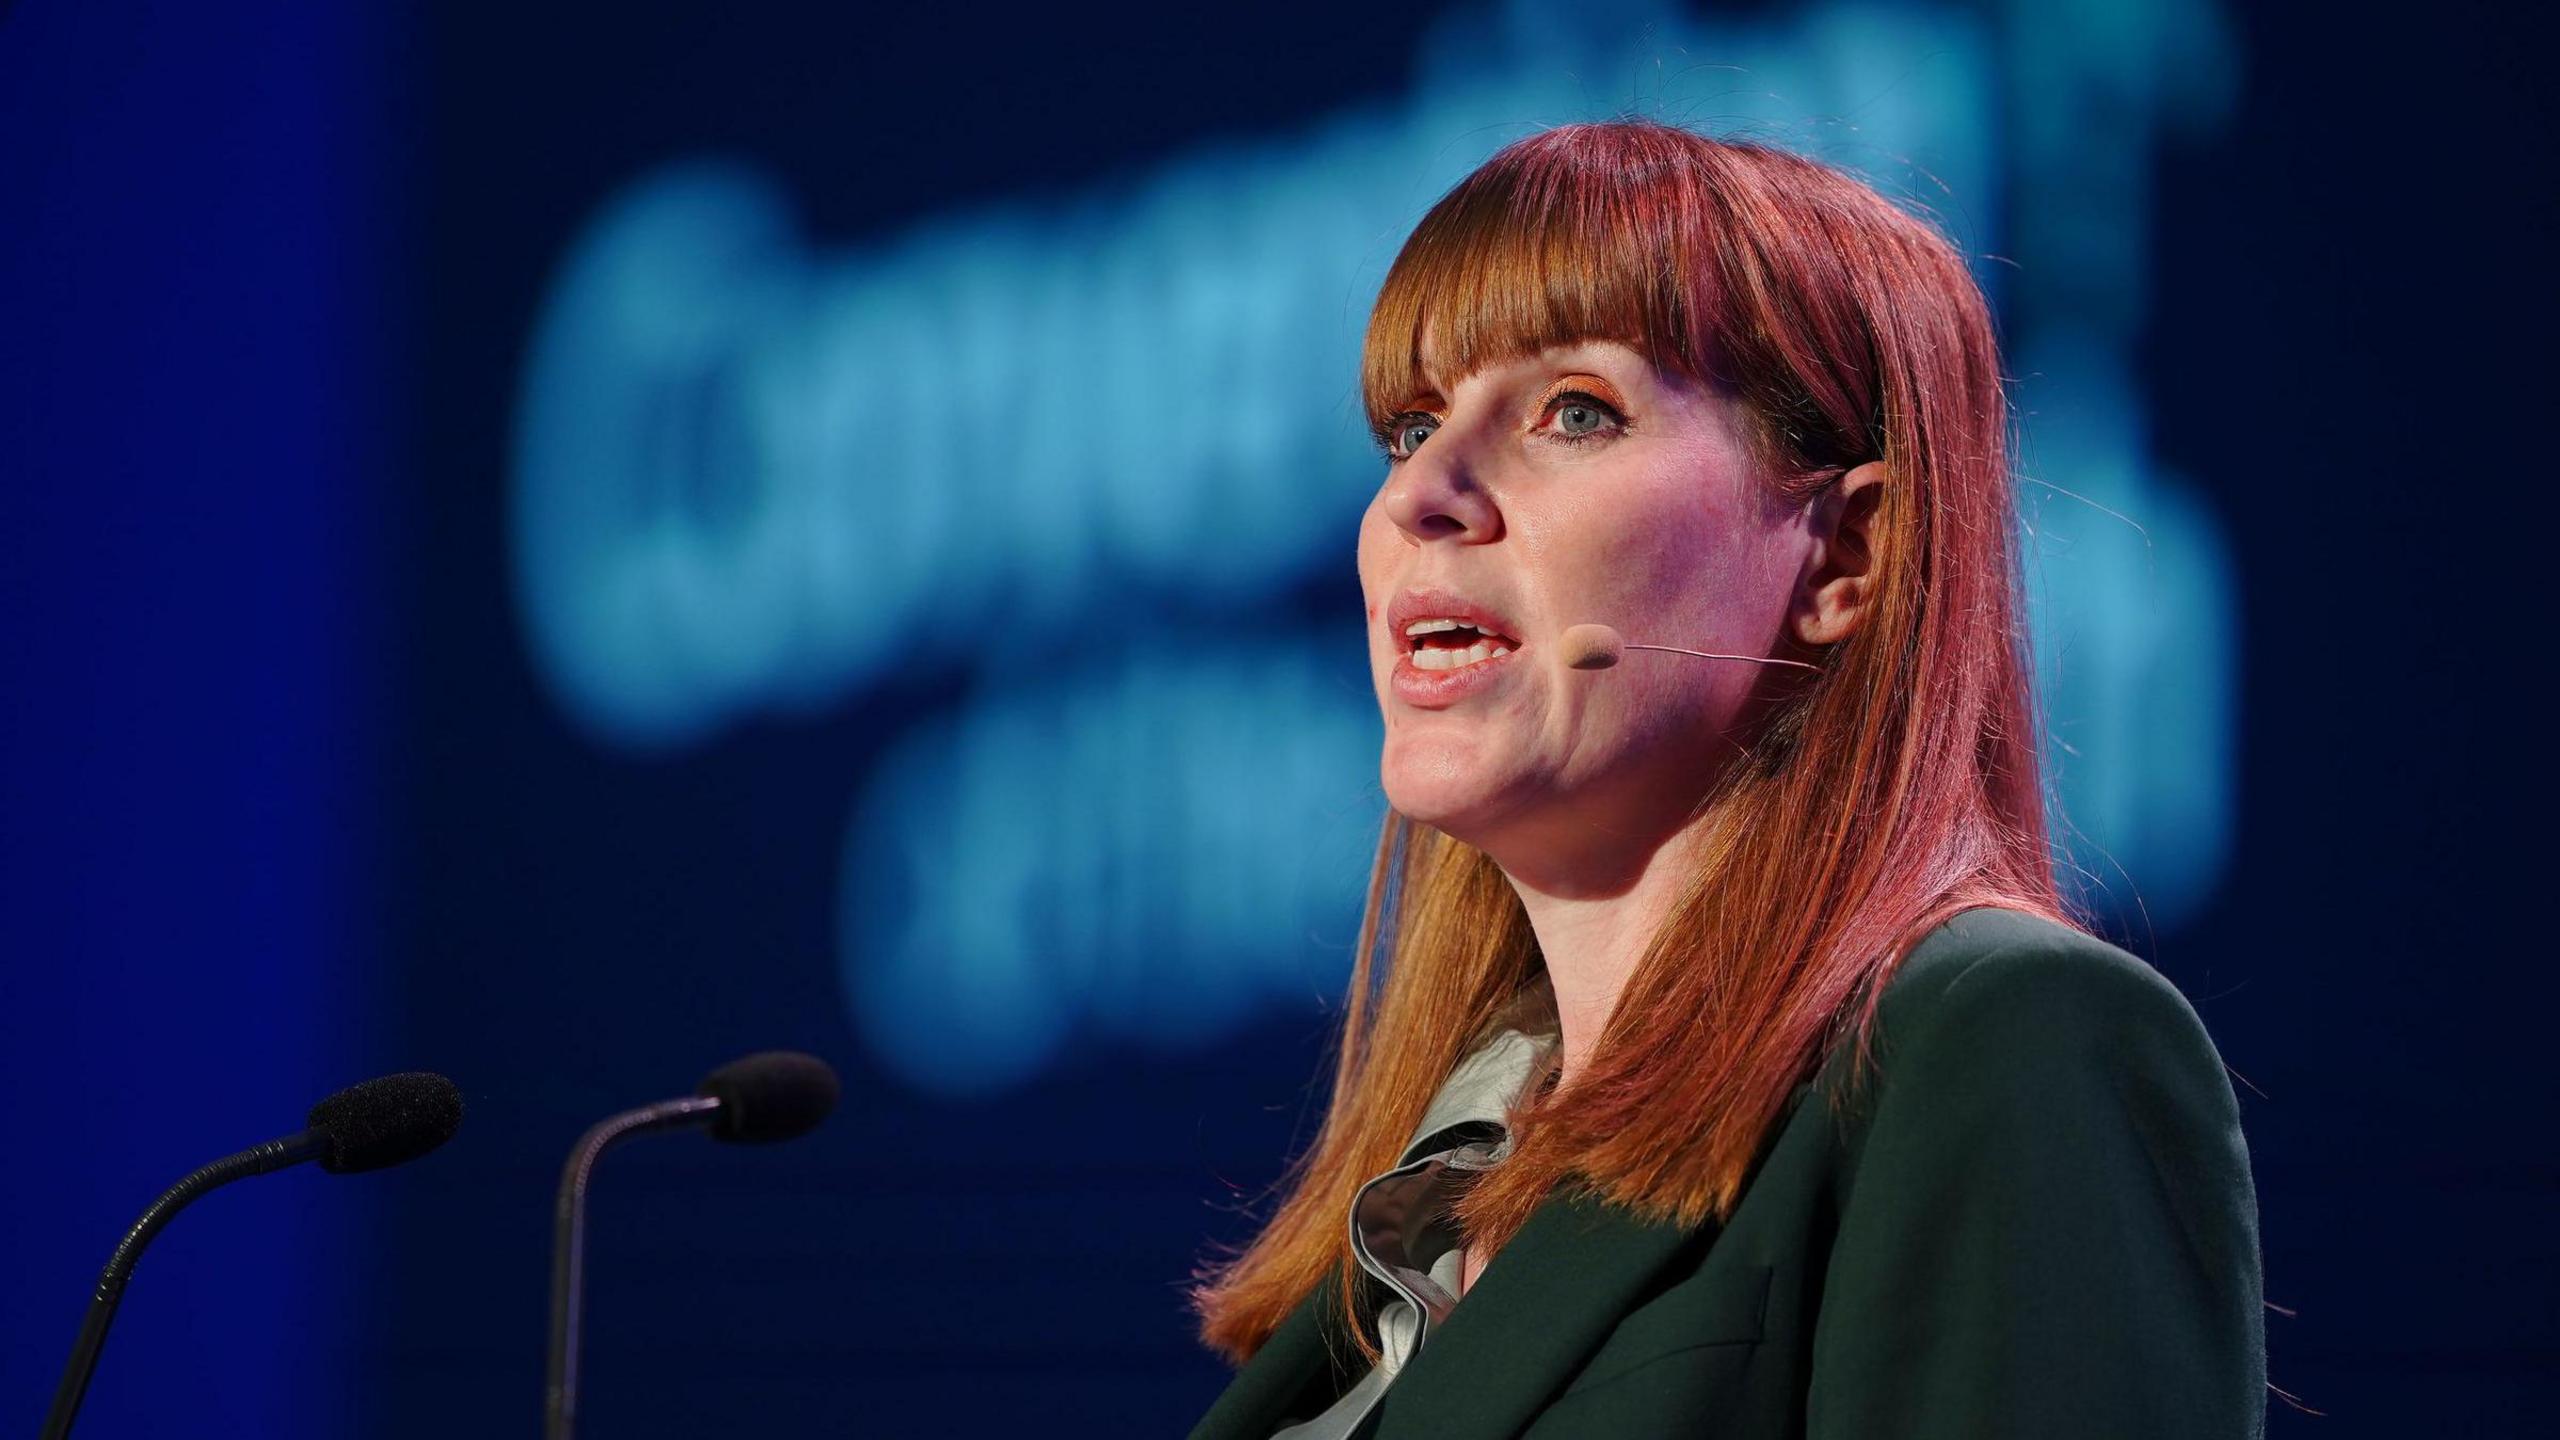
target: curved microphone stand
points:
(258, 1160)
(568, 1242)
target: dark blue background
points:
(282, 806)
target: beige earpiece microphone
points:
(1597, 647)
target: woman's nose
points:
(1434, 495)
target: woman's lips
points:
(1439, 689)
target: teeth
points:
(1455, 659)
(1427, 627)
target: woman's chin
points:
(1457, 800)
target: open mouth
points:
(1453, 644)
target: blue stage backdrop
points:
(563, 546)
(199, 472)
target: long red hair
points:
(1895, 788)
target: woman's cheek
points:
(1374, 556)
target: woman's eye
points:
(1578, 416)
(1408, 431)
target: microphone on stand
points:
(384, 1121)
(772, 1095)
(1597, 647)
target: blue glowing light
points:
(752, 475)
(1143, 845)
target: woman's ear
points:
(1839, 573)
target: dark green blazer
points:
(2038, 1221)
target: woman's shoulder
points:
(2044, 1205)
(1996, 1000)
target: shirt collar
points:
(1482, 1088)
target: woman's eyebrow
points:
(1536, 369)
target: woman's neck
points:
(1593, 932)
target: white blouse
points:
(1403, 1226)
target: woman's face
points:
(1579, 484)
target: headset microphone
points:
(1597, 647)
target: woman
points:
(1737, 1069)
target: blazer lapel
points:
(1541, 1308)
(1255, 1402)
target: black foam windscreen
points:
(771, 1095)
(385, 1121)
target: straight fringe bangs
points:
(1900, 785)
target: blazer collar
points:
(1541, 1308)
